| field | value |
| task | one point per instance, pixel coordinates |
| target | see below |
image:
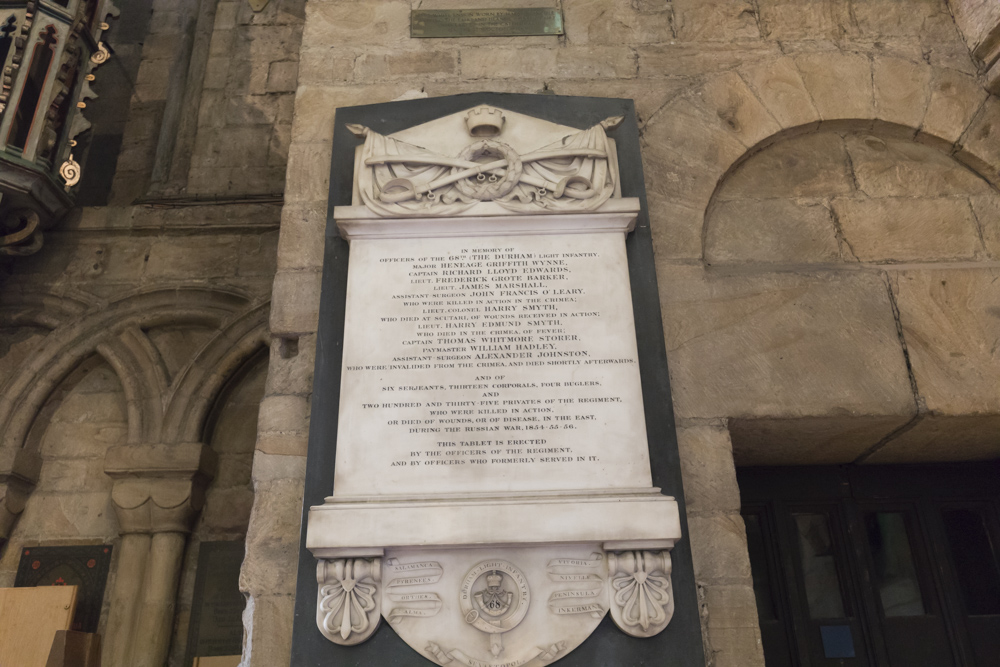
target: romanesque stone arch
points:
(694, 141)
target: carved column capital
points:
(642, 599)
(159, 488)
(16, 484)
(349, 601)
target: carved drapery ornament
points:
(576, 173)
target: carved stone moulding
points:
(495, 606)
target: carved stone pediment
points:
(486, 161)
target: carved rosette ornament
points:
(349, 605)
(643, 603)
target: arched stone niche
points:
(846, 196)
(858, 250)
(143, 401)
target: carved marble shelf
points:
(488, 219)
(625, 518)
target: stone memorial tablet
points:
(492, 496)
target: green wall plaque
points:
(520, 22)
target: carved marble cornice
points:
(159, 488)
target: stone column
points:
(158, 492)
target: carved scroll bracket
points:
(642, 599)
(348, 606)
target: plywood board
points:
(29, 619)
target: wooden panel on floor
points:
(75, 649)
(29, 619)
(218, 661)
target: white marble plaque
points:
(489, 365)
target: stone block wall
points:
(758, 350)
(821, 179)
(979, 21)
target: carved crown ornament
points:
(49, 50)
(486, 155)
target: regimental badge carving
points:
(348, 605)
(404, 589)
(494, 597)
(642, 599)
(399, 179)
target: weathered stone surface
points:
(598, 22)
(889, 19)
(302, 241)
(951, 324)
(840, 85)
(503, 63)
(955, 98)
(733, 606)
(887, 167)
(605, 62)
(736, 647)
(268, 620)
(707, 468)
(753, 344)
(273, 539)
(288, 372)
(272, 467)
(719, 547)
(676, 229)
(357, 23)
(190, 257)
(176, 345)
(227, 510)
(283, 443)
(937, 439)
(987, 210)
(649, 95)
(680, 130)
(779, 86)
(880, 230)
(727, 98)
(715, 20)
(308, 172)
(295, 302)
(282, 77)
(979, 21)
(902, 90)
(811, 440)
(771, 231)
(407, 63)
(813, 165)
(980, 145)
(788, 20)
(283, 413)
(688, 60)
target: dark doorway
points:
(880, 566)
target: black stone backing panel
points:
(680, 644)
